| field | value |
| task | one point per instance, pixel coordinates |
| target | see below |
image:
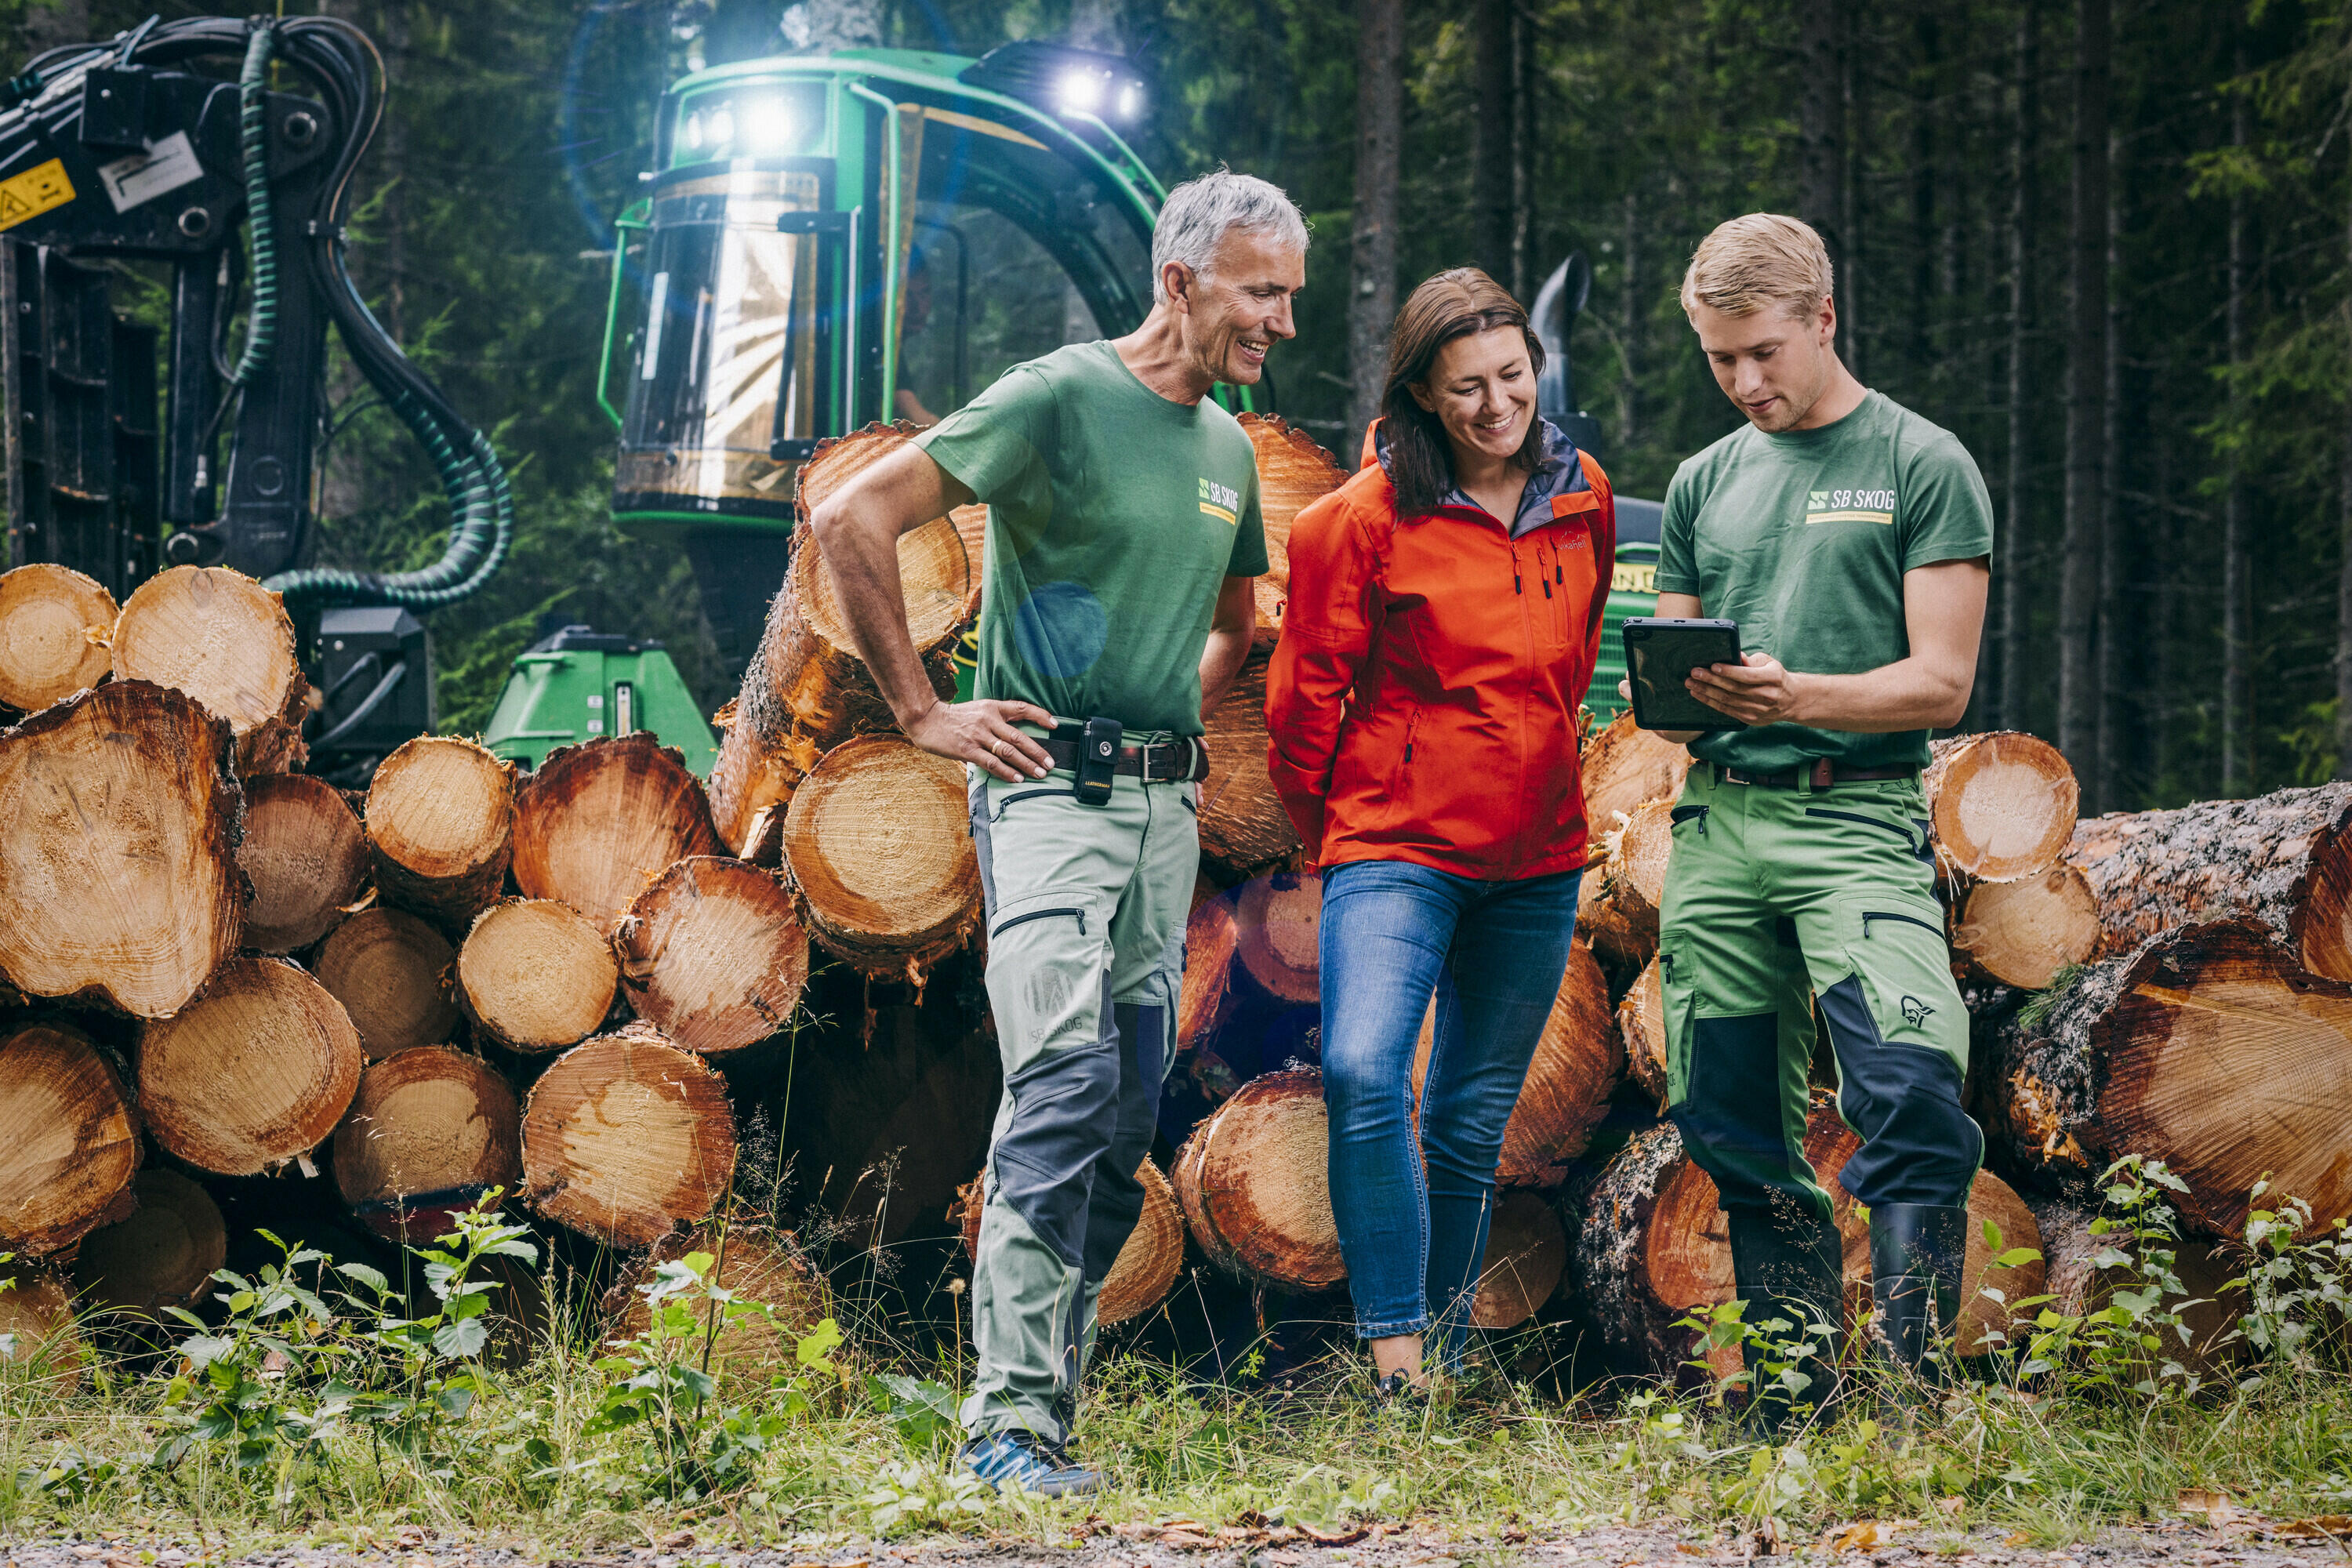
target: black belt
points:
(1180, 761)
(1822, 774)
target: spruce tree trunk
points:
(1490, 149)
(2024, 213)
(2086, 381)
(1372, 291)
(1821, 46)
(2237, 572)
(2115, 693)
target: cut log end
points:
(535, 976)
(1278, 921)
(429, 1132)
(227, 641)
(253, 1074)
(440, 817)
(714, 955)
(627, 1139)
(2002, 804)
(55, 624)
(43, 1342)
(1642, 1021)
(1243, 824)
(1210, 937)
(879, 843)
(163, 1256)
(2026, 932)
(1254, 1186)
(118, 873)
(598, 821)
(69, 1145)
(307, 858)
(1527, 1253)
(391, 972)
(1625, 767)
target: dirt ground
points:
(2174, 1546)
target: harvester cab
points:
(829, 241)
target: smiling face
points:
(1240, 308)
(1482, 387)
(1775, 366)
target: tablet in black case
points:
(1660, 655)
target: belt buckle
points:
(1143, 760)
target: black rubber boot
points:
(1787, 1265)
(1917, 1256)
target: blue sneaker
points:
(1023, 1458)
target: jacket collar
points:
(1558, 473)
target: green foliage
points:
(2132, 1344)
(2298, 1285)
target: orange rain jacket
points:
(1422, 701)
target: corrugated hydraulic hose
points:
(252, 134)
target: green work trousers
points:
(1087, 907)
(1768, 889)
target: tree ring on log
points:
(306, 856)
(227, 641)
(390, 973)
(163, 1256)
(626, 1139)
(440, 817)
(1253, 1182)
(2026, 932)
(430, 1131)
(879, 843)
(1527, 1253)
(2002, 804)
(254, 1074)
(69, 1143)
(713, 954)
(55, 624)
(600, 820)
(535, 976)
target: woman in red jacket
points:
(1444, 612)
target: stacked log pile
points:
(572, 986)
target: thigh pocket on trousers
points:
(1678, 995)
(1047, 954)
(1898, 953)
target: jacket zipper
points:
(1870, 915)
(1683, 814)
(1412, 724)
(1079, 915)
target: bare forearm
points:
(1910, 694)
(864, 562)
(1220, 659)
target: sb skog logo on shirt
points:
(1850, 506)
(1219, 501)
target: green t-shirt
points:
(1114, 518)
(1803, 539)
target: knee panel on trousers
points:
(1918, 1146)
(1064, 1111)
(1732, 1119)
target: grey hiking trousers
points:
(1086, 907)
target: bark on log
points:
(1642, 1022)
(55, 624)
(1577, 1062)
(1625, 766)
(254, 1074)
(1622, 945)
(627, 1139)
(599, 821)
(1278, 922)
(391, 973)
(1527, 1253)
(831, 694)
(2026, 932)
(535, 976)
(227, 641)
(1254, 1183)
(713, 955)
(2209, 1304)
(2208, 1049)
(440, 821)
(879, 845)
(118, 873)
(762, 758)
(2283, 859)
(307, 858)
(69, 1142)
(38, 1327)
(1147, 1263)
(429, 1132)
(764, 1268)
(163, 1256)
(1210, 937)
(1293, 471)
(2002, 804)
(1243, 824)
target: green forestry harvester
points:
(824, 241)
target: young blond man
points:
(1850, 539)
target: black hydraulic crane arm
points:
(111, 148)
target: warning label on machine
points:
(36, 191)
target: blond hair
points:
(1760, 259)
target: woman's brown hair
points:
(1453, 304)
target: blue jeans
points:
(1493, 953)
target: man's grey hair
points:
(1198, 213)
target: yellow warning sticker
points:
(34, 192)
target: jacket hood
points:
(1558, 473)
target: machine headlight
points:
(767, 124)
(1081, 89)
(692, 134)
(722, 126)
(1131, 101)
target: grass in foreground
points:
(316, 1410)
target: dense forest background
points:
(2108, 242)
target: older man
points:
(1123, 533)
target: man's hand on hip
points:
(982, 731)
(1758, 691)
